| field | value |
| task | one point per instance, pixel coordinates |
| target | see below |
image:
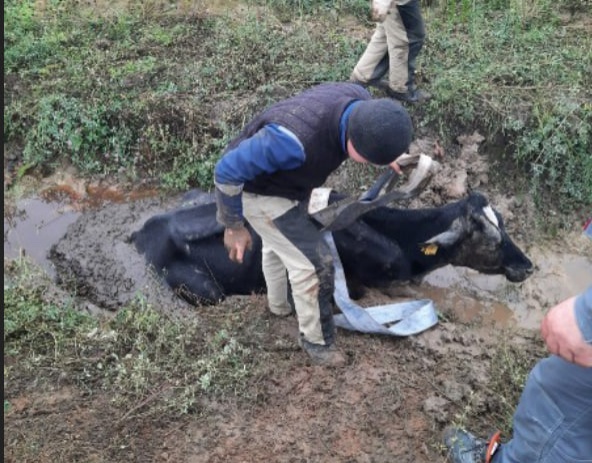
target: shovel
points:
(343, 213)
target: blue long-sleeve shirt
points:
(271, 149)
(583, 310)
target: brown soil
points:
(389, 404)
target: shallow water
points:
(491, 299)
(34, 227)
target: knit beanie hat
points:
(380, 130)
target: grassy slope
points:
(147, 92)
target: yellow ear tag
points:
(429, 249)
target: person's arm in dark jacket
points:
(271, 149)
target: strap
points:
(400, 319)
(492, 445)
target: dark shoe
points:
(359, 82)
(328, 356)
(411, 96)
(281, 313)
(463, 447)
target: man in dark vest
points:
(266, 177)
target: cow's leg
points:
(193, 285)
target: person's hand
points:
(563, 337)
(379, 9)
(236, 242)
(396, 167)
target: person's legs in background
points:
(373, 64)
(394, 48)
(414, 25)
(398, 53)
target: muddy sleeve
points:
(583, 309)
(271, 149)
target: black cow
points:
(186, 247)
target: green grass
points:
(525, 78)
(141, 355)
(145, 91)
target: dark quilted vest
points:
(313, 116)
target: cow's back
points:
(186, 248)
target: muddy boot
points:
(463, 447)
(284, 310)
(411, 96)
(328, 356)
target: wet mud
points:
(82, 239)
(389, 404)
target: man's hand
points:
(379, 9)
(236, 242)
(396, 167)
(563, 337)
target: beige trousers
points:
(283, 260)
(389, 37)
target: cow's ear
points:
(445, 239)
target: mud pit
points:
(389, 404)
(95, 259)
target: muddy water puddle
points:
(34, 226)
(37, 223)
(470, 297)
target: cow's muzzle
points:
(518, 274)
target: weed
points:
(151, 362)
(152, 352)
(154, 91)
(490, 76)
(82, 132)
(557, 151)
(40, 330)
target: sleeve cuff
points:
(583, 311)
(229, 209)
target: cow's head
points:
(478, 239)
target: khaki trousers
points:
(389, 40)
(294, 251)
(394, 48)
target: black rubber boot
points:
(328, 356)
(463, 447)
(411, 96)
